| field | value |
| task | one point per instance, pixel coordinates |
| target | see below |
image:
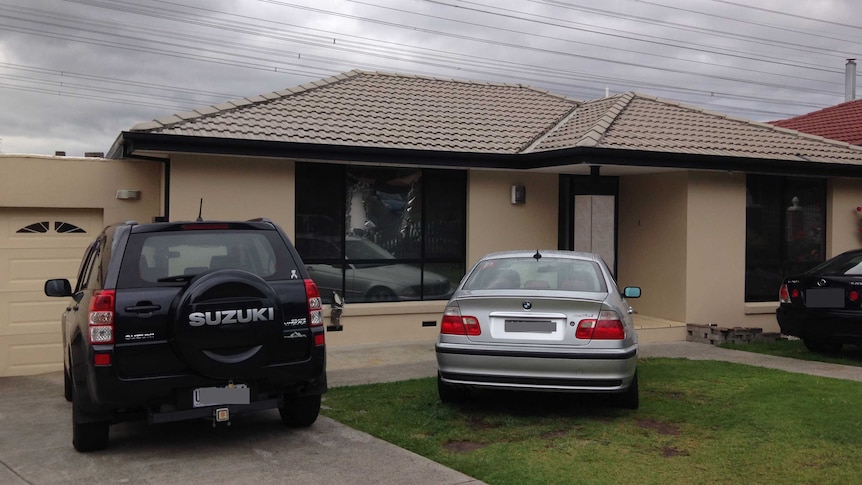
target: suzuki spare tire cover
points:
(227, 324)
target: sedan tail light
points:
(608, 326)
(783, 294)
(455, 324)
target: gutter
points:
(129, 144)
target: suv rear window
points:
(169, 257)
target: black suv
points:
(182, 320)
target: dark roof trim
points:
(129, 143)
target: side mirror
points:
(336, 308)
(58, 287)
(632, 292)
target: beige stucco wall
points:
(72, 182)
(652, 242)
(842, 220)
(495, 224)
(80, 191)
(233, 188)
(715, 259)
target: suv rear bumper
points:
(110, 392)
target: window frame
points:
(331, 181)
(781, 264)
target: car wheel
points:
(67, 385)
(299, 411)
(822, 346)
(89, 432)
(380, 293)
(630, 399)
(449, 393)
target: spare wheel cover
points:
(227, 324)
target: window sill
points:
(761, 307)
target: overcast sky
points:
(75, 73)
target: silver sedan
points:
(539, 321)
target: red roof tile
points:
(842, 122)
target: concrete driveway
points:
(36, 443)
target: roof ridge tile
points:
(593, 136)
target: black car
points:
(183, 320)
(823, 306)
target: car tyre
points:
(299, 411)
(822, 346)
(450, 394)
(67, 385)
(630, 399)
(380, 293)
(88, 433)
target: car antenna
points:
(537, 256)
(201, 210)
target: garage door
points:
(37, 244)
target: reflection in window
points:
(785, 231)
(380, 234)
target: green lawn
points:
(849, 355)
(699, 422)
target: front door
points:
(588, 216)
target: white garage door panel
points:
(30, 336)
(29, 317)
(27, 355)
(28, 272)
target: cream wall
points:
(86, 183)
(715, 260)
(842, 220)
(495, 224)
(80, 191)
(233, 188)
(652, 242)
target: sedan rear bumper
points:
(817, 323)
(599, 370)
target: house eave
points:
(156, 146)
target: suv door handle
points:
(143, 308)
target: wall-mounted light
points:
(124, 194)
(519, 194)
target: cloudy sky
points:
(75, 73)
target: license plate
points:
(534, 326)
(824, 298)
(217, 396)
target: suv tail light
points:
(783, 294)
(455, 324)
(607, 327)
(315, 310)
(101, 317)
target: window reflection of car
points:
(368, 274)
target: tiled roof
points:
(383, 110)
(637, 122)
(840, 122)
(370, 109)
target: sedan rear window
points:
(546, 274)
(849, 264)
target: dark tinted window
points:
(846, 264)
(376, 234)
(168, 256)
(785, 231)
